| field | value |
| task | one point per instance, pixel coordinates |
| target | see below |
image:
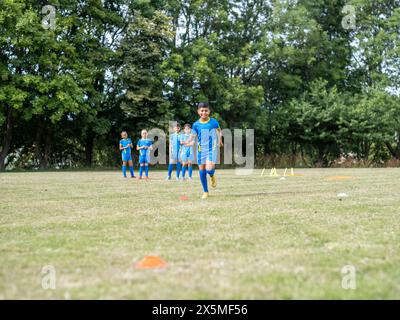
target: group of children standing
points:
(181, 149)
(144, 146)
(181, 152)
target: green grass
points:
(254, 238)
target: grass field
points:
(254, 238)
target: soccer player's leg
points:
(172, 161)
(178, 168)
(210, 166)
(142, 161)
(123, 166)
(146, 167)
(130, 163)
(190, 170)
(203, 175)
(184, 169)
(190, 162)
(141, 171)
(184, 165)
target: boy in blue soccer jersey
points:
(174, 149)
(144, 146)
(186, 153)
(209, 138)
(125, 146)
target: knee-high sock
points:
(184, 171)
(203, 179)
(131, 170)
(190, 171)
(146, 169)
(211, 172)
(124, 170)
(170, 168)
(178, 169)
(140, 171)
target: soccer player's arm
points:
(219, 134)
(183, 141)
(190, 143)
(138, 147)
(121, 147)
(193, 134)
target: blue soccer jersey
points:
(207, 140)
(144, 154)
(126, 153)
(186, 153)
(175, 145)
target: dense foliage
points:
(317, 83)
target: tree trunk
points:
(395, 152)
(38, 142)
(320, 156)
(7, 138)
(89, 148)
(47, 149)
(303, 158)
(293, 155)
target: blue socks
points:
(184, 171)
(203, 179)
(130, 169)
(190, 171)
(140, 171)
(144, 169)
(170, 168)
(211, 172)
(178, 169)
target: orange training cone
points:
(151, 262)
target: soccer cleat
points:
(205, 195)
(133, 177)
(213, 181)
(177, 179)
(168, 178)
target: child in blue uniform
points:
(209, 138)
(144, 146)
(187, 152)
(174, 149)
(125, 146)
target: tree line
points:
(318, 80)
